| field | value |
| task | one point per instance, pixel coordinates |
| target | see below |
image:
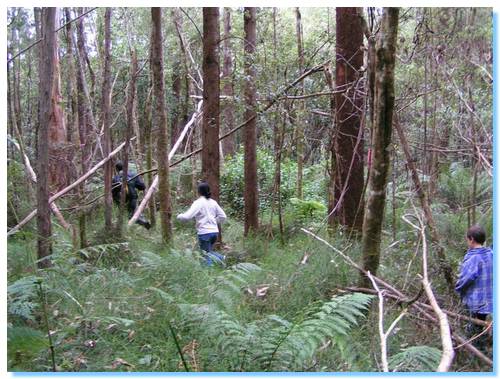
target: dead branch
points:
(68, 188)
(448, 352)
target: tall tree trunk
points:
(106, 109)
(72, 119)
(250, 131)
(228, 144)
(58, 163)
(160, 123)
(210, 159)
(47, 72)
(176, 88)
(348, 144)
(301, 107)
(128, 134)
(382, 132)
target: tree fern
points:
(416, 358)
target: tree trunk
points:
(424, 203)
(160, 123)
(228, 144)
(58, 163)
(176, 89)
(348, 178)
(128, 134)
(47, 53)
(250, 132)
(301, 107)
(210, 158)
(106, 109)
(72, 123)
(382, 132)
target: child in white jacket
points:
(207, 214)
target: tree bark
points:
(301, 107)
(58, 166)
(250, 132)
(47, 53)
(128, 135)
(106, 109)
(160, 123)
(382, 132)
(348, 178)
(229, 144)
(210, 159)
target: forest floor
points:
(127, 304)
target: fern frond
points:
(105, 251)
(23, 297)
(415, 358)
(26, 340)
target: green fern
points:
(23, 297)
(24, 340)
(228, 286)
(416, 358)
(106, 252)
(273, 343)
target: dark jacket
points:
(132, 187)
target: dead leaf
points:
(261, 291)
(131, 335)
(120, 362)
(112, 328)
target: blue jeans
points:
(207, 241)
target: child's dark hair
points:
(119, 166)
(204, 189)
(477, 234)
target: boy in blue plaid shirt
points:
(475, 284)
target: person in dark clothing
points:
(131, 192)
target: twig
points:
(179, 350)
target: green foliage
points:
(307, 209)
(415, 358)
(106, 253)
(274, 343)
(23, 343)
(23, 297)
(232, 183)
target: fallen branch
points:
(154, 184)
(32, 175)
(383, 335)
(400, 295)
(68, 188)
(444, 326)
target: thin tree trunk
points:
(149, 149)
(210, 158)
(160, 123)
(424, 203)
(250, 132)
(106, 109)
(348, 147)
(47, 51)
(128, 135)
(228, 145)
(300, 119)
(382, 132)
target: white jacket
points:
(207, 214)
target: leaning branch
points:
(67, 189)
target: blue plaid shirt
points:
(475, 283)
